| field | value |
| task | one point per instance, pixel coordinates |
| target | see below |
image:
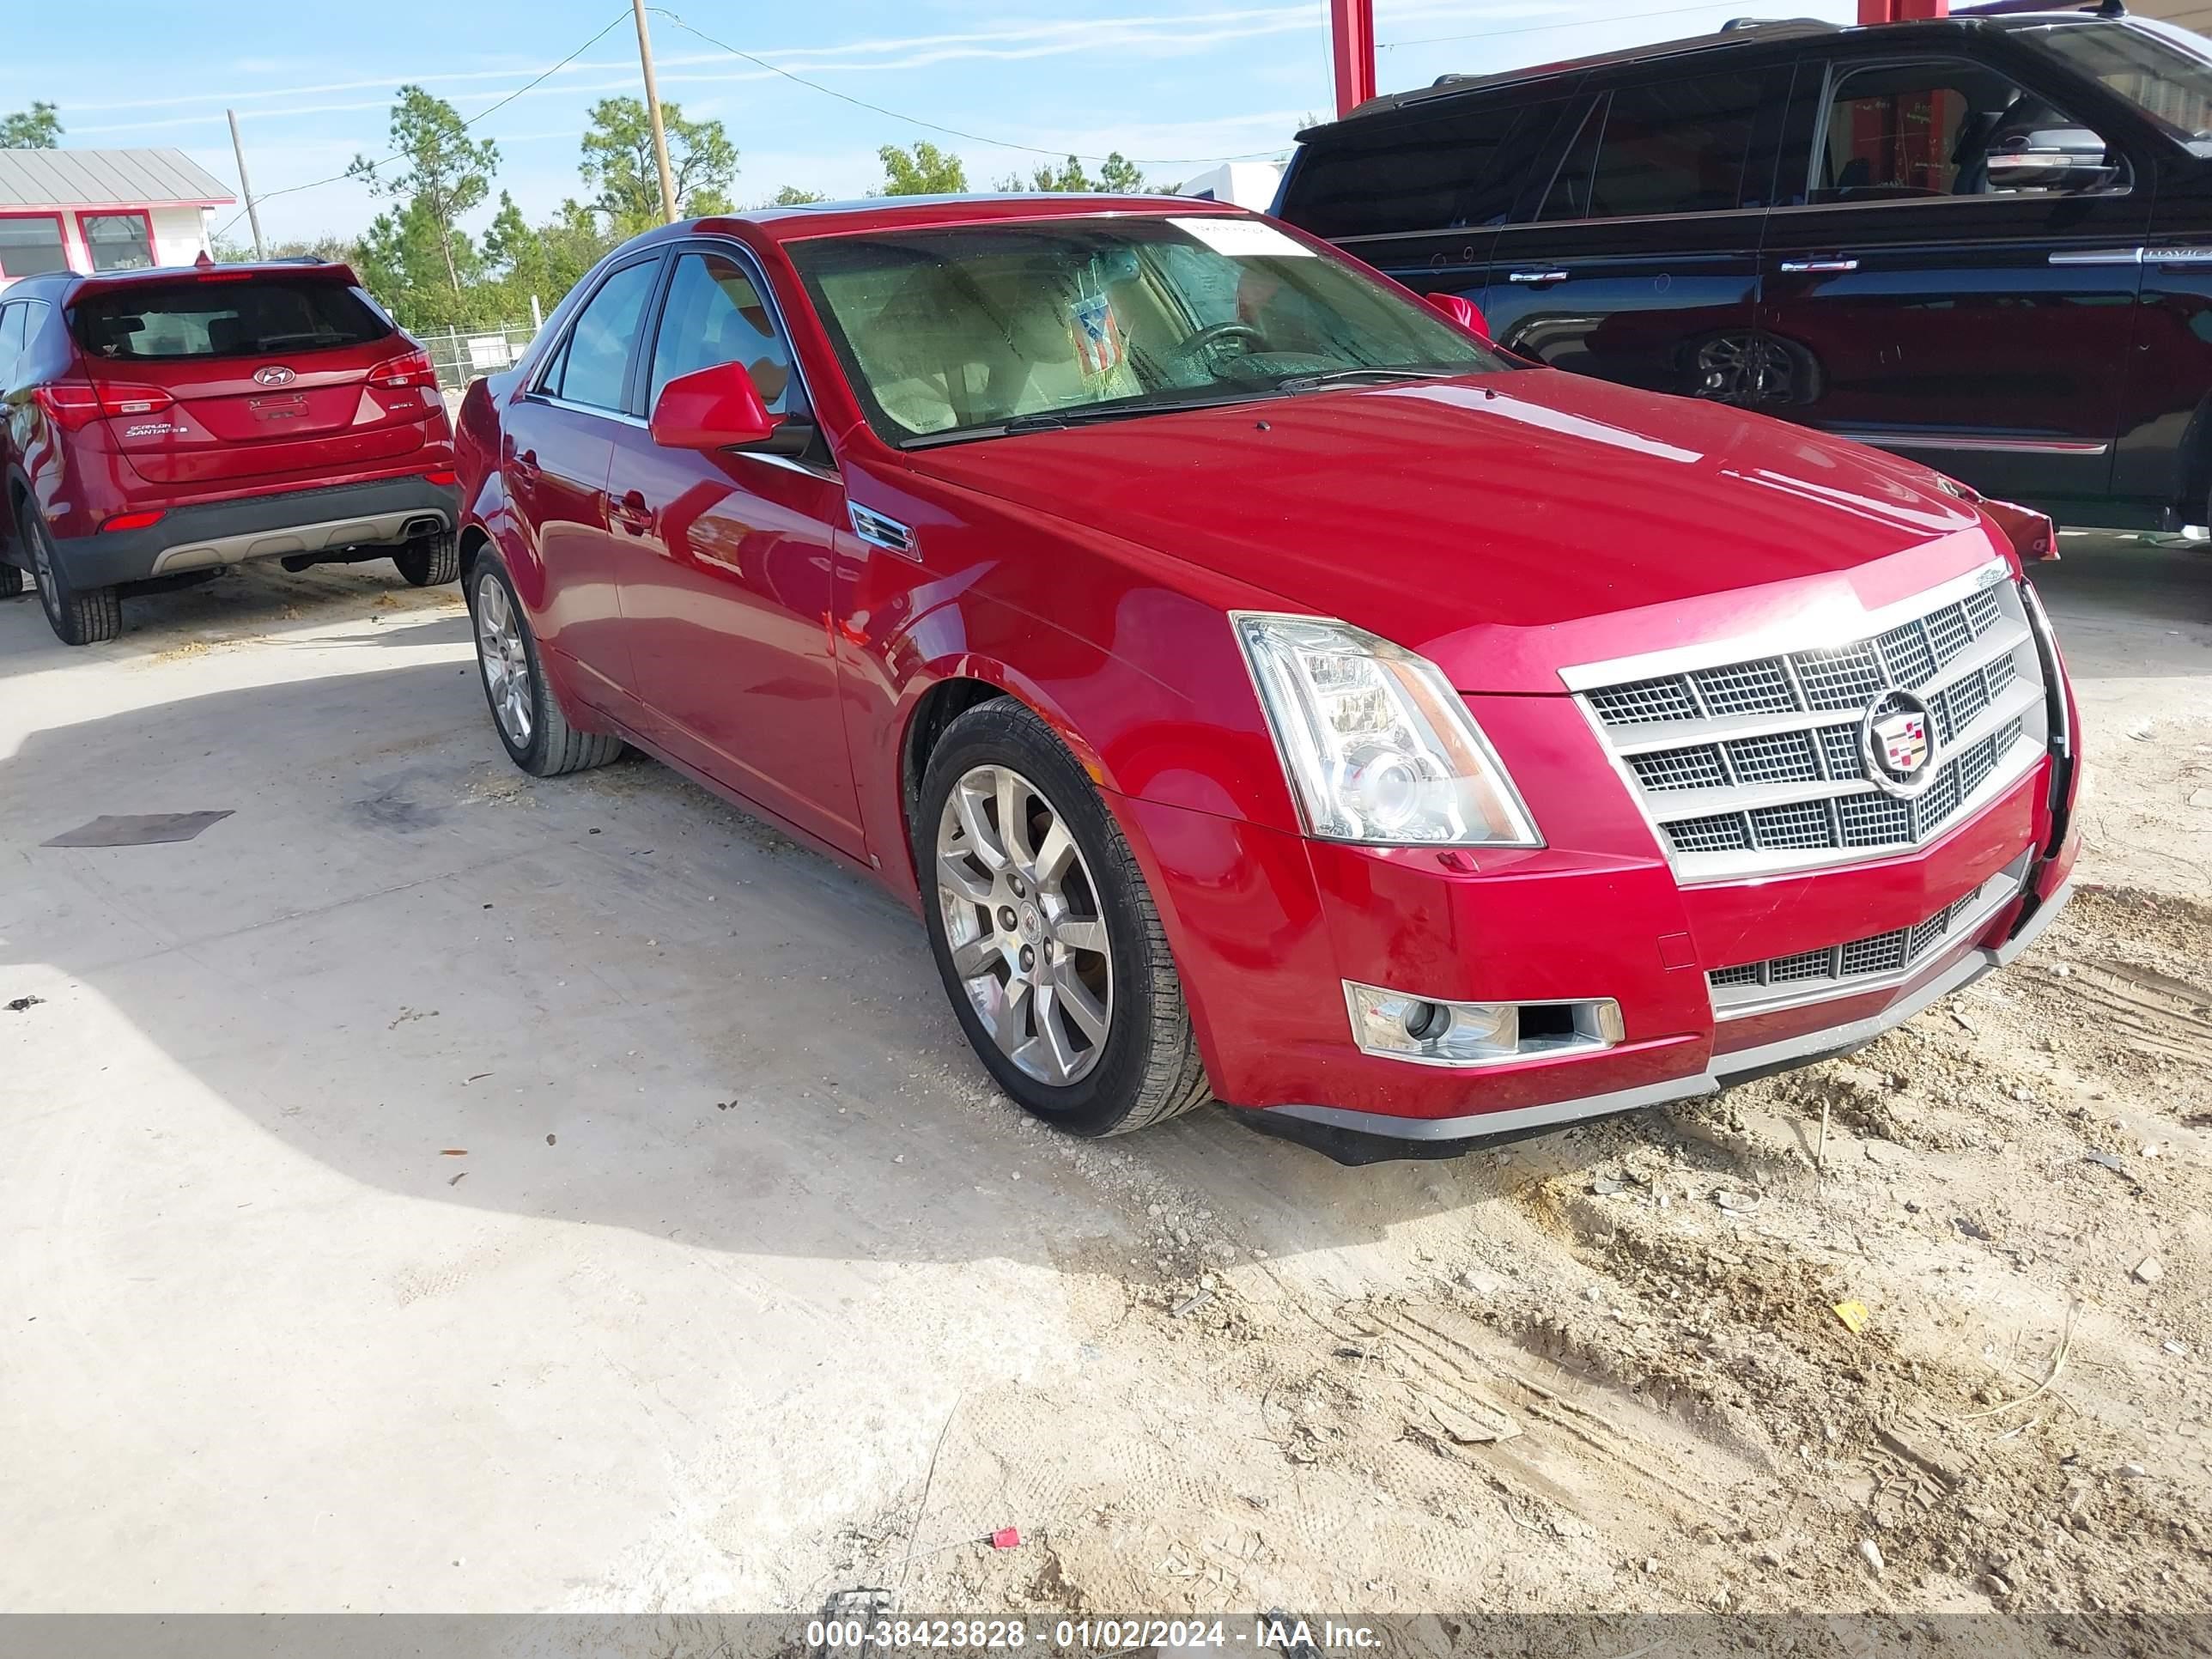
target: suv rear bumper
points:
(388, 512)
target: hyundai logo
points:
(275, 374)
(1897, 738)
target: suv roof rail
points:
(1780, 27)
(1737, 25)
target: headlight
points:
(1377, 746)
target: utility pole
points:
(652, 110)
(246, 185)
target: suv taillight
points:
(408, 369)
(73, 405)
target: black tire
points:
(551, 747)
(11, 582)
(78, 616)
(430, 560)
(1147, 1067)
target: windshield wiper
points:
(1351, 376)
(1049, 420)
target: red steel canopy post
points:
(1352, 39)
(1901, 11)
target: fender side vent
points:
(878, 531)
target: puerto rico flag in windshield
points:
(1097, 338)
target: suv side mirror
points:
(2050, 158)
(720, 408)
(1454, 309)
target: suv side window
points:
(1438, 172)
(714, 314)
(592, 364)
(1676, 146)
(14, 319)
(1946, 127)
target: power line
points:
(339, 178)
(955, 132)
(1546, 28)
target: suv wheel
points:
(1045, 933)
(78, 616)
(430, 560)
(11, 582)
(524, 708)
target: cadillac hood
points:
(1505, 525)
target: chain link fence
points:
(460, 355)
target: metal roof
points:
(107, 178)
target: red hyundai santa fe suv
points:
(158, 426)
(1263, 689)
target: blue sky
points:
(1176, 84)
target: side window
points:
(1949, 128)
(1436, 173)
(13, 320)
(714, 314)
(1675, 146)
(592, 363)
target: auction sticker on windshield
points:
(1244, 239)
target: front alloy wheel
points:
(1021, 913)
(1049, 944)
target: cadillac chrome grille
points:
(1747, 764)
(1840, 969)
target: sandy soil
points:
(1611, 1368)
(438, 1190)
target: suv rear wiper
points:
(1351, 376)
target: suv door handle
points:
(1801, 267)
(631, 511)
(524, 465)
(1536, 276)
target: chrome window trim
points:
(619, 416)
(1633, 218)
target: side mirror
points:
(717, 408)
(1465, 312)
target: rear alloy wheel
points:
(430, 560)
(1047, 940)
(77, 615)
(528, 716)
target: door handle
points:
(1536, 276)
(630, 510)
(524, 465)
(1803, 267)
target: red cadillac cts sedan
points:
(1264, 690)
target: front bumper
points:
(386, 512)
(1423, 1135)
(1268, 927)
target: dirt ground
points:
(741, 1289)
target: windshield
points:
(967, 332)
(2167, 82)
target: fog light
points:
(1430, 1031)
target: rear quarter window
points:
(182, 321)
(1437, 172)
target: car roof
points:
(47, 285)
(791, 224)
(1742, 34)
